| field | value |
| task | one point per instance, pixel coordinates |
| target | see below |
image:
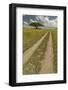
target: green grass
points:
(31, 36)
(33, 66)
(54, 35)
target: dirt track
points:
(28, 53)
(47, 62)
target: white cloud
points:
(53, 23)
(40, 18)
(46, 21)
(31, 20)
(37, 18)
(25, 24)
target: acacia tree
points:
(35, 24)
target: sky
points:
(47, 21)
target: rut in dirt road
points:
(47, 62)
(28, 53)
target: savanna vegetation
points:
(54, 35)
(35, 24)
(30, 37)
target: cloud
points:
(40, 18)
(46, 21)
(31, 20)
(37, 18)
(53, 23)
(25, 24)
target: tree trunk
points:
(36, 27)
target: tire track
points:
(47, 62)
(28, 53)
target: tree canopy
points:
(35, 24)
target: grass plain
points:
(30, 37)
